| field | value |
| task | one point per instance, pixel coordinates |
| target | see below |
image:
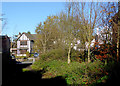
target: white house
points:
(24, 43)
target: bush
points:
(54, 54)
(54, 63)
(25, 69)
(27, 54)
(77, 55)
(74, 73)
(20, 57)
(85, 73)
(31, 55)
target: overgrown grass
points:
(54, 63)
(20, 57)
(25, 69)
(74, 73)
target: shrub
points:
(25, 69)
(20, 57)
(54, 54)
(74, 73)
(85, 73)
(31, 55)
(77, 55)
(27, 54)
(105, 52)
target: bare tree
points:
(110, 20)
(68, 27)
(89, 14)
(3, 22)
(47, 34)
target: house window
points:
(14, 51)
(23, 51)
(23, 42)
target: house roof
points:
(31, 36)
(34, 35)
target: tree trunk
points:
(89, 53)
(69, 54)
(105, 61)
(89, 37)
(44, 48)
(118, 31)
(118, 45)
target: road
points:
(26, 62)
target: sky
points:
(25, 16)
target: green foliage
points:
(20, 57)
(64, 30)
(104, 77)
(25, 69)
(100, 80)
(27, 54)
(29, 32)
(54, 54)
(77, 55)
(31, 55)
(74, 73)
(84, 73)
(48, 35)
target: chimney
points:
(19, 33)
